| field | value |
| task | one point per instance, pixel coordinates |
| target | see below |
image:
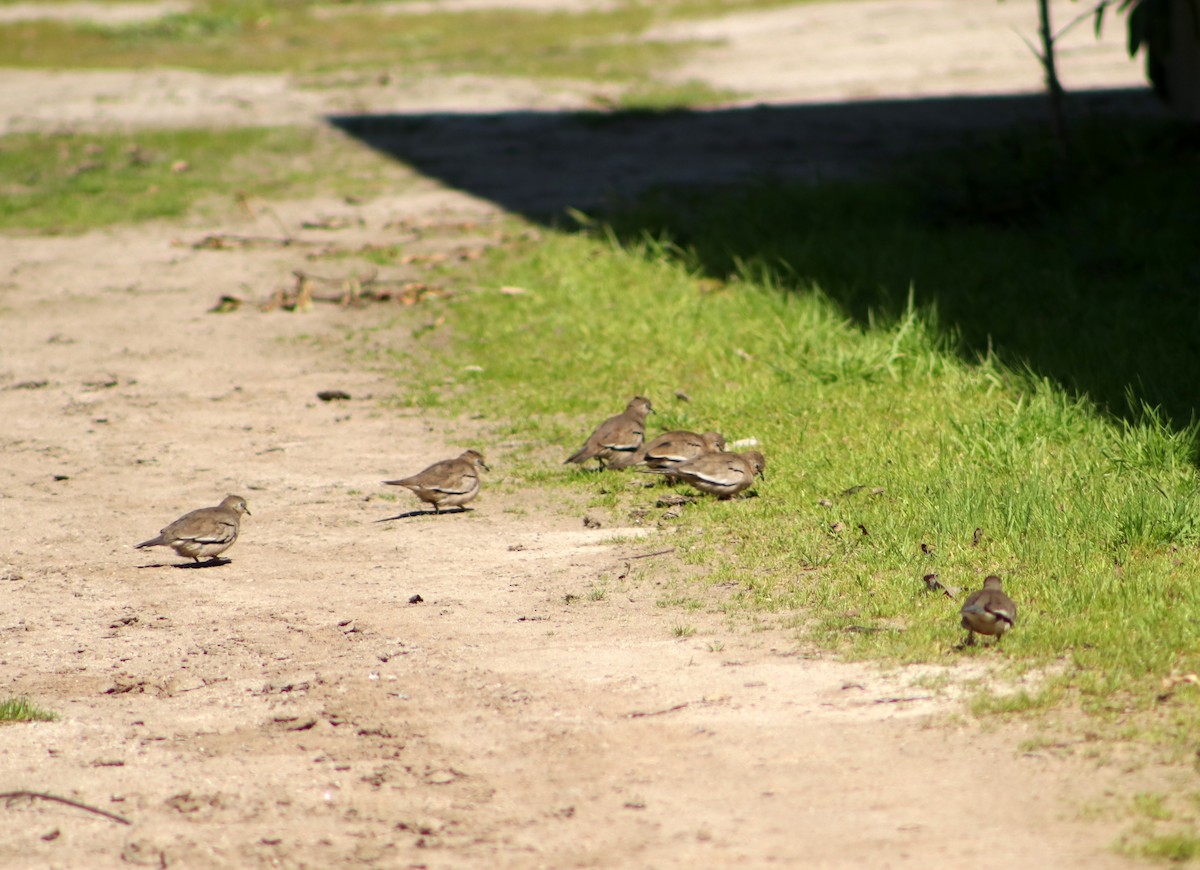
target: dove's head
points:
(639, 406)
(475, 458)
(235, 503)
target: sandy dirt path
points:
(294, 707)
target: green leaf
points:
(1137, 28)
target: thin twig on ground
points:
(45, 796)
(655, 553)
(641, 714)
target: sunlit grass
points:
(74, 182)
(222, 36)
(1165, 827)
(24, 710)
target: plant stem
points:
(1053, 85)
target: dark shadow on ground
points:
(540, 164)
(214, 562)
(1114, 319)
(425, 513)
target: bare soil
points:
(296, 705)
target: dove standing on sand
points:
(988, 611)
(451, 482)
(206, 532)
(618, 438)
(721, 474)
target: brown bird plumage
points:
(988, 611)
(206, 532)
(721, 474)
(617, 438)
(671, 448)
(451, 482)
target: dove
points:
(617, 438)
(988, 611)
(671, 448)
(207, 532)
(451, 482)
(721, 474)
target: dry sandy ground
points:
(293, 707)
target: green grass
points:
(23, 710)
(1152, 806)
(652, 97)
(73, 182)
(990, 703)
(1165, 827)
(866, 341)
(1176, 848)
(223, 36)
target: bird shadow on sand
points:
(985, 648)
(410, 514)
(214, 562)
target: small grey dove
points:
(449, 483)
(671, 448)
(721, 474)
(618, 438)
(206, 532)
(988, 611)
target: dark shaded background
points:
(541, 163)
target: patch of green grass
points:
(73, 182)
(23, 710)
(1165, 828)
(910, 380)
(224, 36)
(682, 631)
(990, 703)
(1176, 848)
(1045, 744)
(655, 98)
(681, 601)
(1152, 806)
